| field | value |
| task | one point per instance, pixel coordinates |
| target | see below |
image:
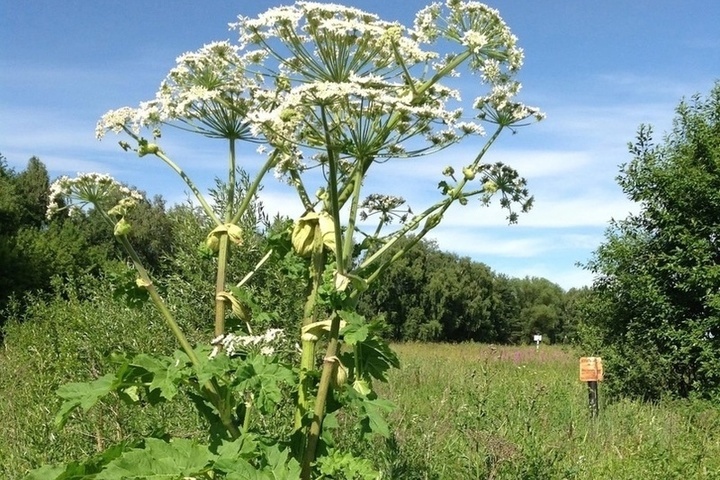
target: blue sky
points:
(598, 69)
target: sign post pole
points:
(591, 371)
(593, 398)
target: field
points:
(463, 412)
(476, 411)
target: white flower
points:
(97, 189)
(232, 343)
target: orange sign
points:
(591, 369)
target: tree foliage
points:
(431, 295)
(655, 308)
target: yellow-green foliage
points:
(476, 411)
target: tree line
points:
(430, 295)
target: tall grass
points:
(475, 411)
(66, 339)
(464, 411)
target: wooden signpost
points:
(591, 371)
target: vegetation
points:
(655, 308)
(437, 296)
(370, 91)
(476, 411)
(507, 413)
(171, 379)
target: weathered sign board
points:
(591, 369)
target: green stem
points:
(246, 420)
(253, 188)
(223, 251)
(220, 285)
(321, 399)
(206, 207)
(230, 188)
(302, 192)
(212, 386)
(307, 361)
(437, 209)
(158, 301)
(252, 272)
(307, 364)
(352, 218)
(333, 193)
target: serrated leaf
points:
(159, 460)
(263, 376)
(374, 419)
(362, 387)
(353, 334)
(282, 468)
(233, 456)
(83, 395)
(377, 358)
(167, 373)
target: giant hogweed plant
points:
(329, 93)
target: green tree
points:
(654, 312)
(32, 186)
(541, 304)
(435, 296)
(506, 310)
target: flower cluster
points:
(386, 206)
(97, 189)
(208, 91)
(337, 79)
(232, 344)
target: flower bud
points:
(122, 228)
(213, 243)
(327, 228)
(490, 187)
(147, 148)
(303, 234)
(235, 234)
(469, 173)
(340, 376)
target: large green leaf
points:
(167, 373)
(46, 472)
(159, 460)
(84, 395)
(263, 376)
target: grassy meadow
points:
(463, 411)
(476, 411)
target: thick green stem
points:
(220, 285)
(321, 399)
(307, 362)
(223, 251)
(333, 193)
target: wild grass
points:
(476, 411)
(466, 411)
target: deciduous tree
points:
(655, 309)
